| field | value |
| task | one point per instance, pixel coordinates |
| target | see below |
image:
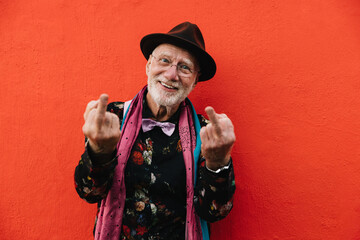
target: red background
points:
(288, 77)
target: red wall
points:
(288, 76)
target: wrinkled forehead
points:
(175, 52)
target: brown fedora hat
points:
(187, 36)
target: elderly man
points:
(164, 171)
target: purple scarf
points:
(111, 211)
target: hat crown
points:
(189, 32)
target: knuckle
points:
(205, 149)
(91, 112)
(221, 143)
(85, 130)
(118, 135)
(90, 104)
(97, 136)
(107, 121)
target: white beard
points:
(167, 99)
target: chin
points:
(163, 98)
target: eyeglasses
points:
(166, 63)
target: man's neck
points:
(161, 113)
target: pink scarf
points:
(111, 211)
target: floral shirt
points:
(155, 180)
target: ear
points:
(197, 78)
(148, 66)
(195, 83)
(193, 86)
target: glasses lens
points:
(166, 63)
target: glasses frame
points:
(180, 73)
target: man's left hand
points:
(217, 139)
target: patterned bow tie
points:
(167, 127)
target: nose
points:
(172, 73)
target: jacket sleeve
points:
(93, 176)
(213, 193)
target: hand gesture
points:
(102, 128)
(217, 139)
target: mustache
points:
(167, 82)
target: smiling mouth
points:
(168, 86)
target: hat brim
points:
(207, 63)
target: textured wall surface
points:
(288, 76)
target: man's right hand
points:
(102, 128)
